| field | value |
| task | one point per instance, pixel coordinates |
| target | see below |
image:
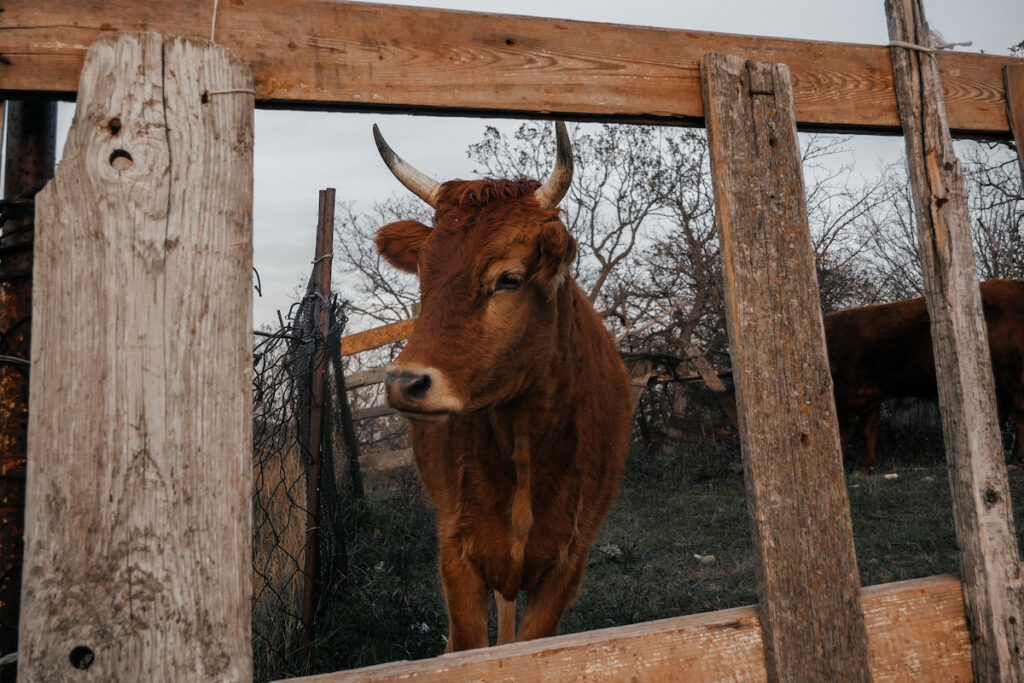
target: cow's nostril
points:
(409, 386)
(414, 387)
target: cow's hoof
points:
(866, 469)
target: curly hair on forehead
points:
(480, 192)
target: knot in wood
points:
(82, 657)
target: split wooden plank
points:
(387, 460)
(30, 149)
(378, 336)
(354, 56)
(372, 412)
(138, 520)
(714, 383)
(808, 584)
(916, 630)
(989, 561)
(364, 378)
(379, 469)
(640, 373)
(1013, 80)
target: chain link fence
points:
(298, 553)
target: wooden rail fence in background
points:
(376, 467)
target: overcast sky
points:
(298, 153)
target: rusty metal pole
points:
(322, 293)
(31, 151)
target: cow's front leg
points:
(1017, 416)
(548, 600)
(871, 421)
(466, 599)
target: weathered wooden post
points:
(989, 561)
(138, 522)
(31, 144)
(320, 289)
(809, 589)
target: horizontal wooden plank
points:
(916, 631)
(320, 54)
(378, 336)
(364, 378)
(383, 461)
(369, 413)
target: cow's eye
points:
(508, 282)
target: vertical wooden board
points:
(808, 585)
(1013, 80)
(138, 517)
(983, 516)
(29, 152)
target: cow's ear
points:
(557, 250)
(399, 243)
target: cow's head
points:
(490, 273)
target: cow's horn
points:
(552, 191)
(420, 184)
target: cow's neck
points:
(540, 415)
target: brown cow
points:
(884, 351)
(519, 398)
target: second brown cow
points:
(884, 351)
(518, 396)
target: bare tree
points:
(995, 200)
(996, 207)
(375, 290)
(842, 212)
(641, 208)
(618, 171)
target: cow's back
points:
(884, 351)
(1003, 303)
(880, 351)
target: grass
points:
(676, 542)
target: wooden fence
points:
(376, 467)
(136, 565)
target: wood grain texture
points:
(138, 521)
(989, 560)
(387, 460)
(380, 469)
(364, 378)
(354, 56)
(373, 412)
(30, 148)
(378, 336)
(808, 584)
(323, 259)
(916, 631)
(1013, 80)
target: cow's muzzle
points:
(420, 393)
